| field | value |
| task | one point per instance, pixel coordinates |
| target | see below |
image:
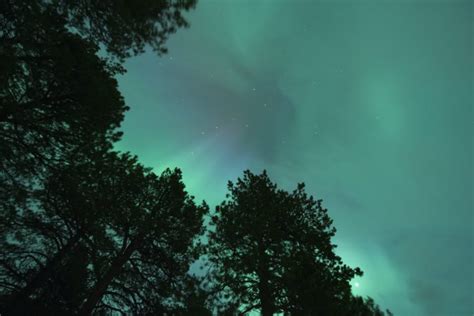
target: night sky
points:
(367, 102)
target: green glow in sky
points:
(368, 102)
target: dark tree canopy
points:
(271, 251)
(105, 234)
(122, 27)
(84, 229)
(56, 97)
(56, 94)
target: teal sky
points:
(370, 103)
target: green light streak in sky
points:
(368, 102)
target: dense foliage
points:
(271, 251)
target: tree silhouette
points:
(134, 230)
(56, 97)
(271, 251)
(123, 28)
(56, 94)
(59, 113)
(154, 237)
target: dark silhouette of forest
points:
(88, 230)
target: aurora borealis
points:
(367, 102)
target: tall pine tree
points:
(270, 251)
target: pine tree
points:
(270, 251)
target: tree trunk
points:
(264, 291)
(101, 286)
